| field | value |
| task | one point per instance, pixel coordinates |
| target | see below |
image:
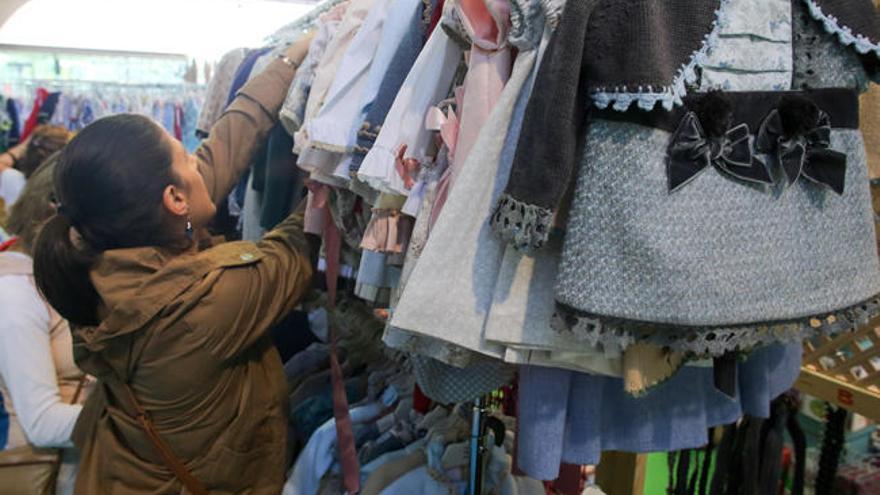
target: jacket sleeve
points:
(549, 142)
(245, 301)
(242, 129)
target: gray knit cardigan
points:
(617, 54)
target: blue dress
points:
(572, 417)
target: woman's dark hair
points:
(35, 205)
(109, 182)
(45, 140)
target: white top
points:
(427, 83)
(36, 354)
(11, 183)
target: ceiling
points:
(8, 7)
(203, 29)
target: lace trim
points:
(517, 20)
(553, 11)
(526, 24)
(646, 97)
(427, 14)
(861, 43)
(700, 342)
(526, 227)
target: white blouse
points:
(38, 376)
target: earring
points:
(189, 228)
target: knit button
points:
(247, 257)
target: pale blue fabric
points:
(572, 417)
(405, 54)
(404, 14)
(749, 55)
(190, 116)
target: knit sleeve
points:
(855, 23)
(549, 143)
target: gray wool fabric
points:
(599, 45)
(717, 252)
(859, 16)
(623, 50)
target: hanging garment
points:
(14, 133)
(571, 417)
(449, 294)
(33, 119)
(331, 132)
(355, 14)
(427, 84)
(283, 187)
(469, 293)
(293, 111)
(487, 26)
(317, 457)
(702, 262)
(367, 58)
(405, 54)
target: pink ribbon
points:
(407, 168)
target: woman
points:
(191, 392)
(20, 161)
(39, 381)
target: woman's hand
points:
(6, 161)
(297, 51)
(12, 155)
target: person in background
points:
(20, 161)
(38, 377)
(191, 392)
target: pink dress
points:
(487, 24)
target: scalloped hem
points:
(647, 97)
(700, 342)
(861, 43)
(526, 227)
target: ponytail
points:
(108, 183)
(61, 270)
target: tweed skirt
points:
(717, 265)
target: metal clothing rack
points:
(618, 473)
(475, 479)
(24, 87)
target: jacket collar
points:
(136, 284)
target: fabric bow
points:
(804, 154)
(691, 151)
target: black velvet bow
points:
(692, 150)
(804, 153)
